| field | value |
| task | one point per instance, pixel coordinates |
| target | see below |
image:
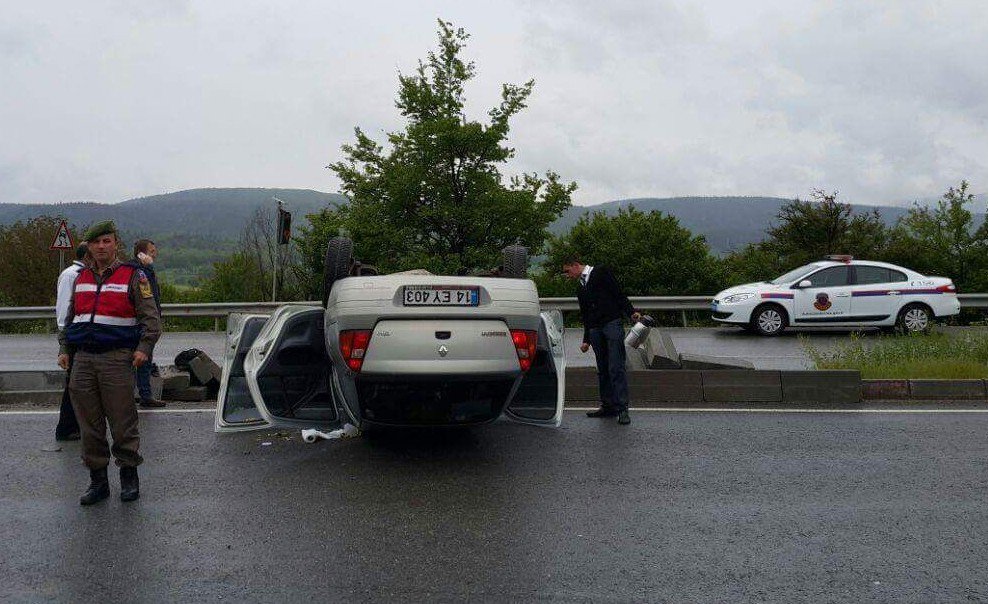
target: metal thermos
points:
(639, 332)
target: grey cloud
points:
(884, 101)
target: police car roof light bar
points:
(845, 258)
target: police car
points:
(406, 349)
(840, 292)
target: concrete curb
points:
(649, 387)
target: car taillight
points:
(353, 347)
(947, 289)
(525, 341)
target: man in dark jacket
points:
(602, 306)
(145, 253)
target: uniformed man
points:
(114, 324)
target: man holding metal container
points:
(602, 307)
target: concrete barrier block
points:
(884, 389)
(740, 385)
(946, 389)
(826, 387)
(173, 379)
(32, 380)
(670, 386)
(204, 370)
(700, 362)
(581, 386)
(634, 359)
(31, 397)
(192, 393)
(658, 351)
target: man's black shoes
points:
(624, 419)
(602, 412)
(99, 488)
(130, 485)
(67, 437)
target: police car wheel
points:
(915, 318)
(339, 262)
(769, 320)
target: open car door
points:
(540, 396)
(287, 370)
(235, 408)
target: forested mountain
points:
(199, 226)
(210, 213)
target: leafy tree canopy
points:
(436, 197)
(650, 254)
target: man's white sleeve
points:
(66, 281)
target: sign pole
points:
(277, 252)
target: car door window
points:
(897, 276)
(835, 276)
(867, 275)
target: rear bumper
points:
(435, 400)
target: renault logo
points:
(443, 350)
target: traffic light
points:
(284, 226)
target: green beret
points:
(99, 229)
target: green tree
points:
(944, 241)
(312, 244)
(246, 275)
(436, 198)
(28, 269)
(650, 254)
(808, 231)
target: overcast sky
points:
(886, 102)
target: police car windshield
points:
(793, 274)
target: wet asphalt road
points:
(678, 507)
(788, 351)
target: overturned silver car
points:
(407, 349)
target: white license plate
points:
(440, 295)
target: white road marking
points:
(633, 409)
(756, 410)
(139, 411)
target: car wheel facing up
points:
(339, 262)
(769, 320)
(915, 318)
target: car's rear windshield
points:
(794, 274)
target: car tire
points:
(914, 318)
(514, 263)
(769, 320)
(339, 262)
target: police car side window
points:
(867, 275)
(834, 276)
(896, 276)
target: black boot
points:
(99, 488)
(130, 485)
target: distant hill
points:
(212, 213)
(728, 223)
(198, 227)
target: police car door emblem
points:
(443, 350)
(822, 302)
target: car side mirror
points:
(804, 284)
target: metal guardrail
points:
(222, 309)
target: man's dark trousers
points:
(608, 346)
(67, 422)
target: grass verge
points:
(916, 356)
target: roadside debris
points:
(311, 435)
